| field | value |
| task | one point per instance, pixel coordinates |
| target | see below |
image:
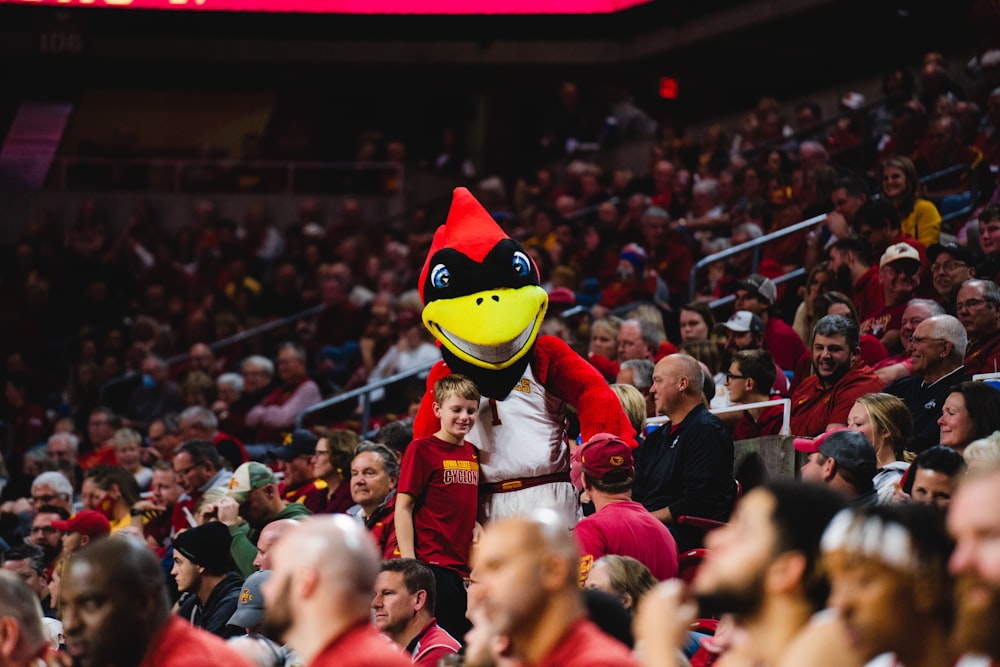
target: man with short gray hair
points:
(937, 348)
(374, 475)
(198, 423)
(823, 400)
(52, 488)
(977, 306)
(639, 374)
(638, 339)
(25, 641)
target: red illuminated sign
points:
(668, 88)
(465, 7)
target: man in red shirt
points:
(403, 606)
(620, 525)
(851, 263)
(974, 521)
(978, 309)
(115, 611)
(899, 278)
(748, 379)
(525, 579)
(839, 378)
(319, 596)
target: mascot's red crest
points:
(469, 229)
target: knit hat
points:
(248, 477)
(636, 256)
(206, 545)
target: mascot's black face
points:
(487, 313)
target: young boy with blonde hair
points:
(438, 497)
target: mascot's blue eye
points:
(521, 264)
(440, 276)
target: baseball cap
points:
(959, 252)
(850, 449)
(86, 522)
(741, 321)
(250, 606)
(206, 545)
(606, 453)
(761, 286)
(853, 100)
(299, 442)
(249, 476)
(898, 251)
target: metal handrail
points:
(973, 188)
(251, 332)
(751, 245)
(290, 168)
(786, 404)
(365, 394)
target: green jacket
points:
(244, 545)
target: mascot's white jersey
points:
(536, 446)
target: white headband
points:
(870, 536)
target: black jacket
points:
(214, 615)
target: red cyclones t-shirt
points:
(444, 482)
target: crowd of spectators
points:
(127, 417)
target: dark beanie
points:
(206, 545)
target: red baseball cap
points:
(88, 522)
(606, 453)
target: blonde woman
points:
(886, 422)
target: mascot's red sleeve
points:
(566, 374)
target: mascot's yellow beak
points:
(492, 328)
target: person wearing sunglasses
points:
(899, 277)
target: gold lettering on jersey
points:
(524, 386)
(460, 472)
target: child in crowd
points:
(438, 497)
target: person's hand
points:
(662, 621)
(19, 506)
(227, 511)
(837, 224)
(149, 455)
(148, 506)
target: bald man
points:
(318, 597)
(525, 575)
(269, 535)
(685, 467)
(24, 637)
(116, 612)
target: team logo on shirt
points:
(460, 472)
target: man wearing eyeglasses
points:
(937, 348)
(951, 265)
(749, 379)
(978, 308)
(45, 536)
(899, 277)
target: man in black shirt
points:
(685, 467)
(937, 348)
